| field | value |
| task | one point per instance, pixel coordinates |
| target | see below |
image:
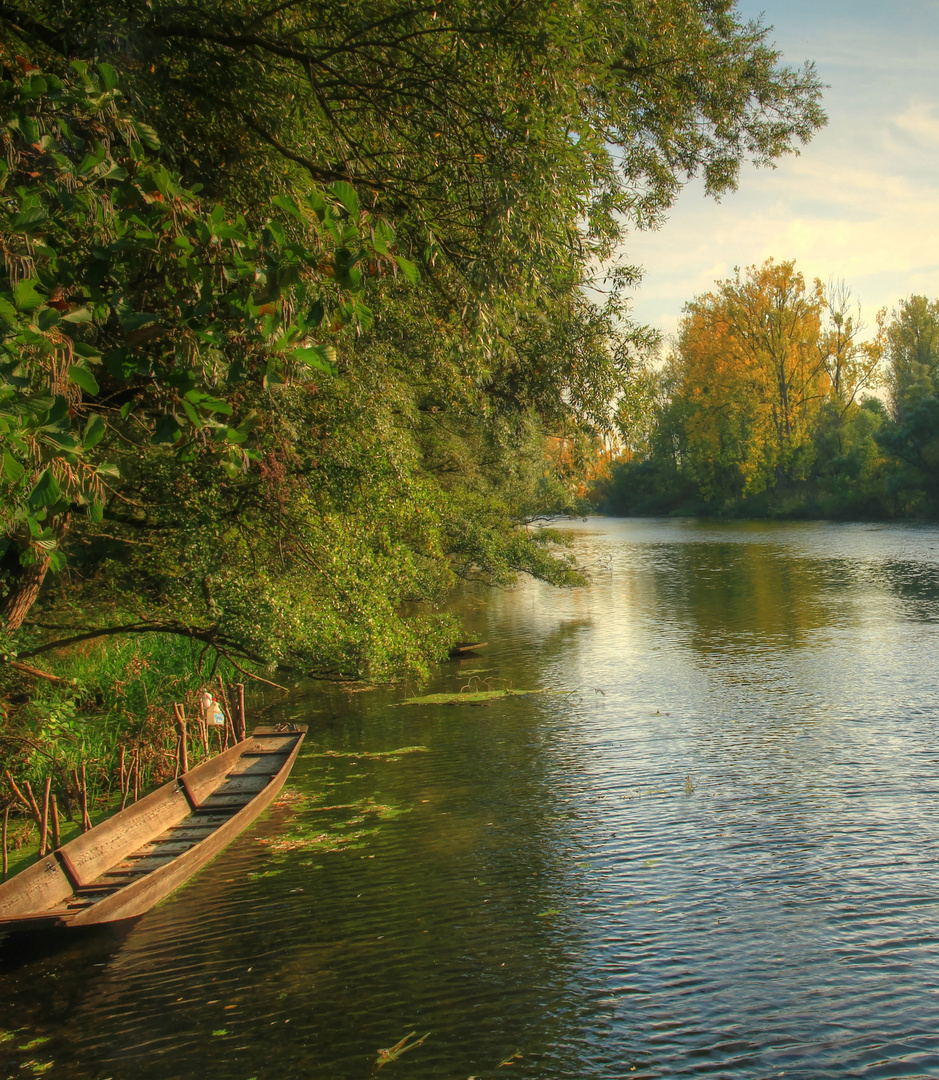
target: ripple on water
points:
(715, 855)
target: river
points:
(708, 846)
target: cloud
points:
(920, 122)
(860, 203)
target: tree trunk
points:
(23, 593)
(24, 589)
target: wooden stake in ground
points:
(223, 700)
(33, 805)
(6, 857)
(86, 820)
(242, 719)
(76, 780)
(56, 832)
(136, 773)
(184, 749)
(203, 732)
(17, 792)
(44, 823)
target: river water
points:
(708, 846)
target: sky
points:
(860, 202)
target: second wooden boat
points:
(131, 861)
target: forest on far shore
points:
(777, 401)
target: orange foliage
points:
(752, 377)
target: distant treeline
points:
(770, 405)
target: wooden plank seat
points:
(126, 864)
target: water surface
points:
(710, 849)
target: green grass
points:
(118, 694)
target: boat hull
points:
(136, 858)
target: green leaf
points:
(29, 219)
(46, 318)
(167, 430)
(82, 377)
(408, 268)
(347, 195)
(107, 468)
(25, 296)
(12, 469)
(207, 402)
(120, 363)
(46, 491)
(317, 356)
(194, 417)
(108, 76)
(285, 202)
(365, 316)
(94, 431)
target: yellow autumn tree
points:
(751, 379)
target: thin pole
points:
(184, 749)
(86, 820)
(242, 719)
(44, 823)
(33, 805)
(56, 832)
(223, 698)
(6, 857)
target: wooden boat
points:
(131, 861)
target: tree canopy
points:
(292, 300)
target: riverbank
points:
(102, 726)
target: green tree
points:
(424, 191)
(912, 346)
(133, 314)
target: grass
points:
(118, 695)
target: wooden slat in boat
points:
(131, 861)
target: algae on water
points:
(472, 697)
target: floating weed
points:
(379, 755)
(512, 1057)
(649, 863)
(473, 697)
(220, 1031)
(689, 785)
(8, 1036)
(33, 1043)
(304, 838)
(264, 873)
(37, 1068)
(399, 1048)
(548, 913)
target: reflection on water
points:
(712, 852)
